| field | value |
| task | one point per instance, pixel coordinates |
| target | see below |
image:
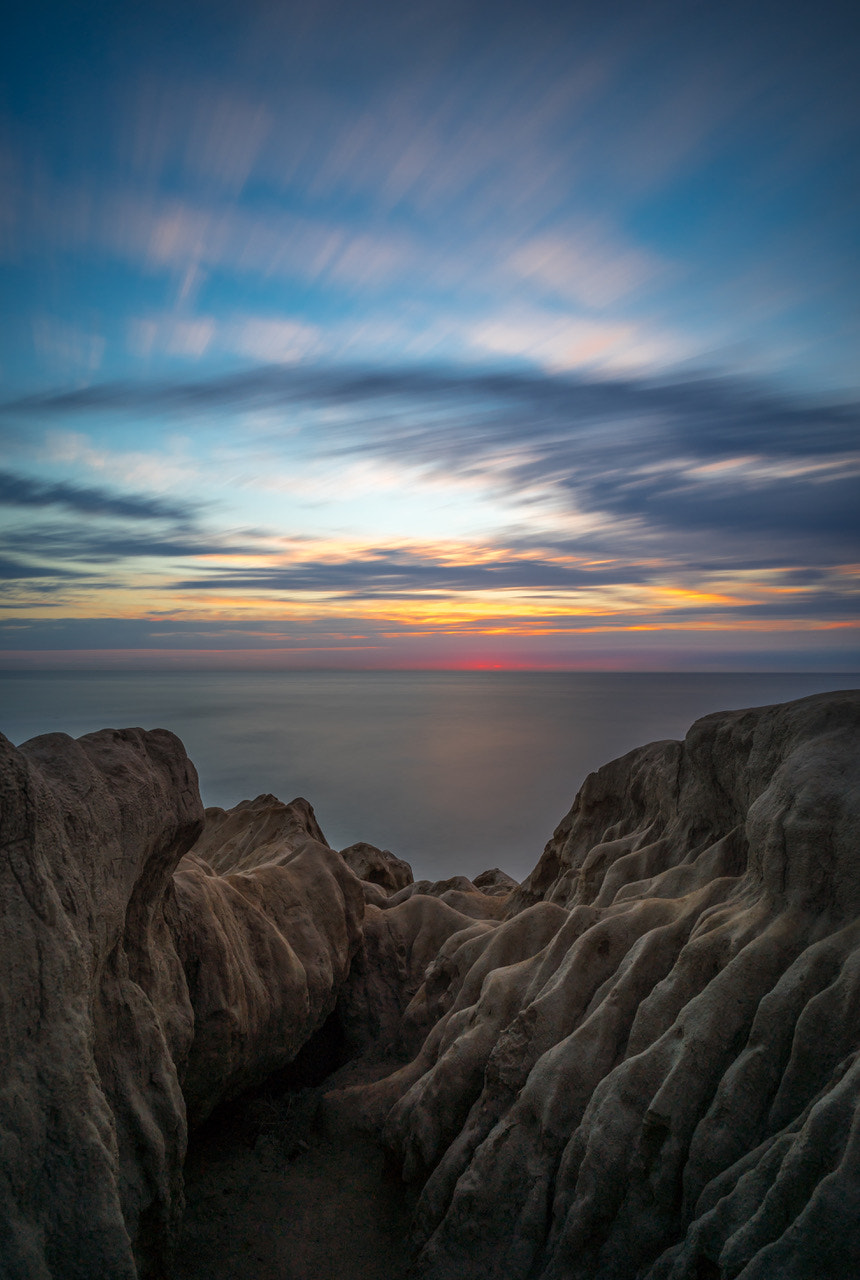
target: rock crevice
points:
(142, 988)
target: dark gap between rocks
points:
(270, 1196)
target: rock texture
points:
(651, 1069)
(643, 1063)
(134, 997)
(377, 866)
(255, 832)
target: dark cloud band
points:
(22, 491)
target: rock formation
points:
(141, 988)
(643, 1062)
(377, 866)
(651, 1068)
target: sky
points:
(468, 335)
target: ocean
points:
(454, 771)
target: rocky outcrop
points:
(255, 832)
(377, 866)
(643, 1063)
(651, 1068)
(140, 987)
(495, 882)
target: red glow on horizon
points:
(335, 658)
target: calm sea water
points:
(455, 771)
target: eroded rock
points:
(133, 998)
(255, 832)
(377, 866)
(666, 1082)
(642, 1062)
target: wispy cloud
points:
(266, 339)
(14, 570)
(718, 408)
(23, 491)
(64, 541)
(584, 266)
(561, 343)
(393, 573)
(157, 470)
(658, 456)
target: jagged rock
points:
(495, 882)
(642, 1062)
(666, 1085)
(458, 892)
(377, 866)
(126, 987)
(255, 832)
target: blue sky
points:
(444, 334)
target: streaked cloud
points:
(560, 343)
(699, 453)
(584, 266)
(340, 331)
(265, 339)
(24, 491)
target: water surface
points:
(455, 771)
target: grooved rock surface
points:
(651, 1069)
(265, 952)
(134, 997)
(256, 831)
(377, 866)
(643, 1063)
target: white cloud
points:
(561, 342)
(171, 467)
(584, 266)
(174, 335)
(271, 339)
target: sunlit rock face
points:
(140, 988)
(651, 1068)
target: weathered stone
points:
(644, 1061)
(133, 997)
(377, 866)
(256, 831)
(668, 1081)
(495, 881)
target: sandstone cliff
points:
(643, 1062)
(651, 1068)
(140, 988)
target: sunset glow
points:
(430, 336)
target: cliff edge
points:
(140, 988)
(651, 1068)
(643, 1062)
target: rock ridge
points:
(643, 1063)
(142, 988)
(666, 1084)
